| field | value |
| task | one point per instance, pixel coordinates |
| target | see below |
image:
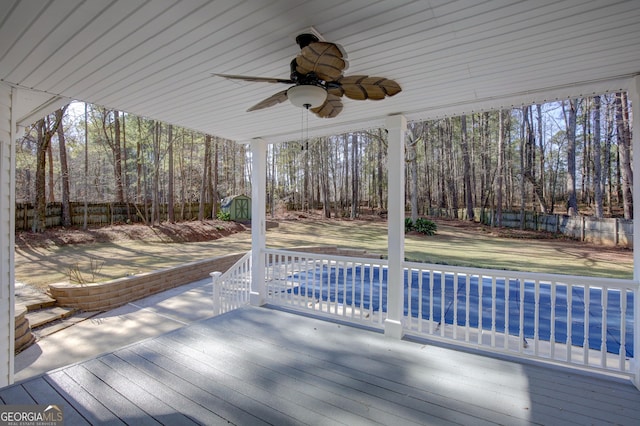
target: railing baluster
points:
(480, 306)
(443, 298)
(552, 337)
(407, 298)
(585, 344)
(507, 285)
(623, 331)
(431, 309)
(493, 312)
(604, 301)
(455, 306)
(467, 284)
(536, 321)
(522, 339)
(420, 299)
(361, 307)
(371, 271)
(353, 289)
(569, 321)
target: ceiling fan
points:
(318, 82)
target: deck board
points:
(268, 366)
(87, 406)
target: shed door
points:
(242, 208)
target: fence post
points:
(215, 278)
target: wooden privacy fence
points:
(610, 231)
(103, 213)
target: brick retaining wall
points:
(118, 292)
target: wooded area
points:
(571, 156)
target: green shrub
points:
(425, 226)
(226, 216)
(408, 224)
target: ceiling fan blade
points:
(270, 101)
(255, 79)
(361, 87)
(323, 58)
(331, 107)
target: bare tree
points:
(500, 171)
(45, 130)
(624, 146)
(466, 164)
(572, 198)
(64, 170)
(597, 159)
(206, 177)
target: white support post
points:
(215, 280)
(258, 219)
(396, 126)
(8, 130)
(634, 96)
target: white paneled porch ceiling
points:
(154, 58)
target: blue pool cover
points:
(331, 284)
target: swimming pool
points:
(445, 295)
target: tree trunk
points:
(117, 157)
(411, 157)
(468, 189)
(40, 210)
(355, 176)
(381, 180)
(51, 192)
(139, 160)
(500, 167)
(85, 223)
(64, 171)
(155, 179)
(529, 160)
(45, 133)
(170, 178)
(597, 159)
(624, 144)
(523, 167)
(214, 185)
(206, 171)
(572, 199)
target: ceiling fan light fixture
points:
(307, 95)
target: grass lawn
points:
(452, 245)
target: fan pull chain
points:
(302, 130)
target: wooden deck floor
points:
(264, 366)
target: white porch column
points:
(258, 219)
(8, 98)
(396, 126)
(634, 96)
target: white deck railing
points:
(231, 289)
(580, 321)
(339, 286)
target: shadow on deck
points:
(268, 366)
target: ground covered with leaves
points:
(179, 232)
